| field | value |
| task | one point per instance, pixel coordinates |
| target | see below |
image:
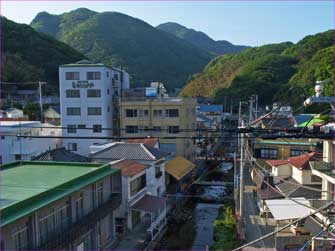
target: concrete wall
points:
(283, 241)
(283, 171)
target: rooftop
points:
(210, 108)
(27, 186)
(129, 168)
(134, 151)
(280, 122)
(147, 141)
(61, 154)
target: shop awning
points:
(285, 209)
(179, 167)
(149, 204)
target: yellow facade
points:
(149, 117)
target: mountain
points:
(30, 56)
(269, 71)
(116, 39)
(201, 39)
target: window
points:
(172, 113)
(100, 191)
(2, 137)
(107, 74)
(56, 221)
(116, 76)
(73, 111)
(83, 126)
(315, 178)
(297, 152)
(137, 185)
(108, 109)
(73, 93)
(72, 146)
(17, 156)
(95, 75)
(93, 93)
(173, 129)
(72, 75)
(71, 129)
(20, 238)
(79, 205)
(144, 113)
(157, 128)
(97, 128)
(158, 113)
(131, 129)
(94, 111)
(107, 91)
(158, 172)
(269, 153)
(131, 113)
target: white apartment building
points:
(15, 148)
(89, 98)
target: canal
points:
(192, 226)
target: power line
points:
(284, 227)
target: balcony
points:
(61, 240)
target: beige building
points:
(161, 117)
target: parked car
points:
(299, 229)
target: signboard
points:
(151, 92)
(82, 84)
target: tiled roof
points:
(130, 167)
(134, 151)
(147, 141)
(296, 191)
(61, 154)
(302, 162)
(277, 162)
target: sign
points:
(151, 92)
(82, 84)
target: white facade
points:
(89, 98)
(17, 148)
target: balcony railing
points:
(62, 239)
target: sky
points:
(241, 22)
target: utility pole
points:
(242, 174)
(256, 108)
(41, 104)
(250, 109)
(235, 185)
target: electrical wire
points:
(284, 227)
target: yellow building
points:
(161, 117)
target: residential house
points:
(59, 205)
(214, 112)
(51, 116)
(152, 142)
(15, 148)
(12, 113)
(61, 154)
(277, 122)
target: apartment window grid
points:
(297, 152)
(71, 128)
(93, 93)
(131, 129)
(144, 113)
(81, 126)
(72, 76)
(73, 111)
(137, 184)
(93, 75)
(94, 111)
(97, 128)
(131, 113)
(172, 113)
(72, 93)
(79, 205)
(54, 222)
(269, 153)
(20, 238)
(100, 193)
(173, 129)
(158, 113)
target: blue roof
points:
(211, 108)
(301, 118)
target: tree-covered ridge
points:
(201, 39)
(268, 71)
(147, 53)
(31, 56)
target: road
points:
(255, 226)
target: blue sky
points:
(240, 22)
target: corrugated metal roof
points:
(130, 167)
(61, 154)
(179, 167)
(149, 204)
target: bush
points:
(225, 229)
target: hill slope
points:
(31, 56)
(117, 39)
(270, 69)
(201, 39)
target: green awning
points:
(312, 122)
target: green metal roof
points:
(29, 186)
